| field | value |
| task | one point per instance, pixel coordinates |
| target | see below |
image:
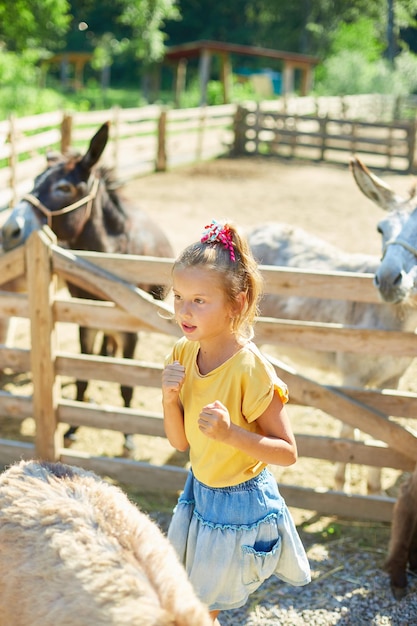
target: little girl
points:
(223, 400)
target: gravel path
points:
(348, 587)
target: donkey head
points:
(396, 276)
(62, 196)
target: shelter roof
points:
(70, 57)
(192, 49)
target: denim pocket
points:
(259, 565)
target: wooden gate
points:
(125, 307)
(265, 131)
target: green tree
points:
(356, 63)
(31, 24)
(135, 26)
(146, 20)
(120, 33)
(305, 26)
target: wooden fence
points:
(142, 140)
(362, 107)
(126, 307)
(152, 138)
(386, 144)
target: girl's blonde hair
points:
(227, 253)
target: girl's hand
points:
(173, 377)
(214, 421)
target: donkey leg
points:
(373, 483)
(5, 329)
(412, 553)
(87, 339)
(342, 480)
(402, 539)
(130, 341)
(341, 476)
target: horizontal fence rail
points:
(125, 307)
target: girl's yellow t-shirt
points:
(245, 384)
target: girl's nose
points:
(185, 309)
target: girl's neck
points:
(210, 357)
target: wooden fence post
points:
(323, 126)
(66, 132)
(411, 140)
(200, 134)
(239, 130)
(115, 137)
(161, 157)
(41, 294)
(257, 125)
(13, 160)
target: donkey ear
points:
(53, 157)
(376, 189)
(96, 147)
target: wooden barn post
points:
(204, 73)
(180, 81)
(41, 295)
(226, 77)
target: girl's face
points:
(201, 307)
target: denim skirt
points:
(232, 539)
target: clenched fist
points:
(173, 378)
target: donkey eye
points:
(64, 188)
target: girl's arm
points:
(173, 378)
(276, 445)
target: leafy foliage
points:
(19, 79)
(146, 19)
(30, 24)
(361, 36)
(349, 72)
(350, 38)
(356, 64)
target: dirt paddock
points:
(326, 201)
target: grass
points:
(24, 99)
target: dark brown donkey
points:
(82, 206)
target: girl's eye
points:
(199, 301)
(177, 297)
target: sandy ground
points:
(319, 198)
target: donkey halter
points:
(400, 242)
(88, 200)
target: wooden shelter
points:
(291, 61)
(66, 60)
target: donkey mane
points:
(115, 218)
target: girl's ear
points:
(240, 303)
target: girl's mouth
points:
(187, 328)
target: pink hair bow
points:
(218, 233)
